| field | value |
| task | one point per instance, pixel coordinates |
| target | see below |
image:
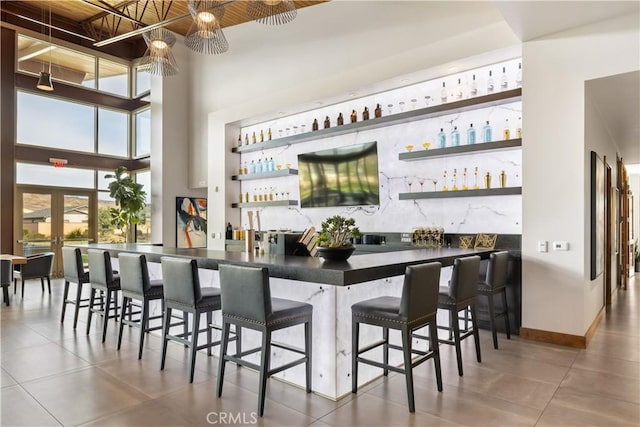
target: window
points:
(68, 125)
(27, 173)
(143, 81)
(143, 133)
(113, 77)
(107, 233)
(143, 229)
(113, 132)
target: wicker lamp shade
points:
(205, 34)
(158, 60)
(272, 12)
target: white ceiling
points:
(617, 97)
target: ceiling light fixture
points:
(205, 34)
(44, 80)
(272, 12)
(158, 60)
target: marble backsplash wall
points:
(494, 214)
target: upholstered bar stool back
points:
(102, 279)
(247, 303)
(73, 273)
(182, 292)
(415, 309)
(494, 283)
(136, 285)
(460, 295)
(39, 266)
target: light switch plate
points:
(542, 246)
(560, 245)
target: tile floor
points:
(53, 375)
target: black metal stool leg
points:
(408, 370)
(355, 339)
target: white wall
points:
(170, 148)
(328, 52)
(634, 185)
(557, 293)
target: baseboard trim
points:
(567, 340)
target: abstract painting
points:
(191, 222)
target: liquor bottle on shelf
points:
(365, 113)
(271, 165)
(504, 81)
(378, 111)
(327, 122)
(519, 128)
(354, 116)
(443, 93)
(442, 139)
(246, 139)
(490, 86)
(471, 135)
(252, 167)
(246, 169)
(519, 76)
(464, 180)
(486, 133)
(487, 180)
(473, 90)
(261, 135)
(454, 185)
(503, 179)
(265, 165)
(253, 137)
(240, 139)
(475, 179)
(340, 119)
(269, 134)
(455, 137)
(314, 126)
(458, 92)
(259, 166)
(506, 132)
(444, 181)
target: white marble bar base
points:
(331, 363)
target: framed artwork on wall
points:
(597, 215)
(191, 222)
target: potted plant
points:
(636, 255)
(130, 201)
(334, 239)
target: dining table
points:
(15, 260)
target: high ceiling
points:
(100, 22)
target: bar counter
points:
(327, 286)
(357, 269)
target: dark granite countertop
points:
(357, 269)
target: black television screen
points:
(343, 176)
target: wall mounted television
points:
(343, 176)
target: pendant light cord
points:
(50, 46)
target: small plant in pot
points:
(334, 239)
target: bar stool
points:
(102, 279)
(416, 308)
(38, 266)
(459, 295)
(5, 279)
(494, 283)
(182, 292)
(136, 285)
(247, 303)
(73, 273)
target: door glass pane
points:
(113, 77)
(50, 122)
(113, 132)
(27, 173)
(75, 219)
(143, 228)
(143, 132)
(36, 223)
(107, 233)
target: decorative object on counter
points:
(490, 86)
(442, 139)
(485, 241)
(409, 147)
(444, 181)
(340, 119)
(309, 240)
(191, 222)
(471, 135)
(487, 180)
(503, 179)
(486, 132)
(378, 111)
(365, 113)
(314, 125)
(443, 93)
(464, 180)
(327, 122)
(475, 179)
(466, 242)
(430, 237)
(454, 181)
(253, 137)
(519, 128)
(455, 137)
(334, 239)
(506, 132)
(426, 145)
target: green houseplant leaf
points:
(130, 199)
(337, 231)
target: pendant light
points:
(158, 60)
(44, 81)
(205, 34)
(272, 12)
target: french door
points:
(49, 218)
